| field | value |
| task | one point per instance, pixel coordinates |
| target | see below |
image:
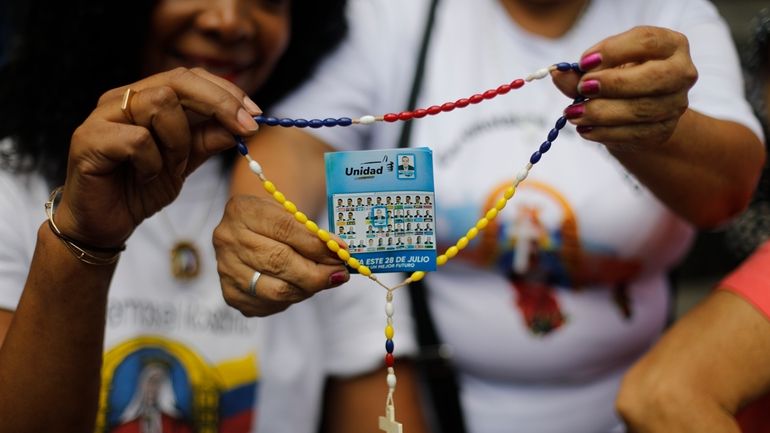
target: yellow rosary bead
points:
(299, 216)
(417, 276)
(269, 187)
(482, 223)
(491, 214)
(509, 192)
(472, 233)
(333, 245)
(323, 235)
(451, 252)
(312, 226)
(353, 263)
(343, 254)
(501, 204)
(441, 260)
(279, 197)
(365, 271)
(289, 206)
(389, 332)
(462, 243)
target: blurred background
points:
(709, 260)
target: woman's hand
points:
(125, 165)
(256, 234)
(637, 84)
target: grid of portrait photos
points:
(392, 221)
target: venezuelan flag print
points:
(152, 384)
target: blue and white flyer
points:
(381, 203)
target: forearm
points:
(711, 363)
(293, 160)
(50, 360)
(706, 172)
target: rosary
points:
(388, 422)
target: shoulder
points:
(751, 280)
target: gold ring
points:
(126, 105)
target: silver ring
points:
(253, 283)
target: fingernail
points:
(246, 120)
(590, 61)
(583, 129)
(252, 106)
(338, 278)
(589, 87)
(574, 111)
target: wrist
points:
(85, 252)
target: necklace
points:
(388, 422)
(185, 256)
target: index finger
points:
(199, 95)
(637, 45)
(276, 223)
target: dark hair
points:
(63, 56)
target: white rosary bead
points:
(255, 167)
(539, 74)
(523, 173)
(391, 381)
(367, 120)
(389, 309)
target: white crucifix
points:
(388, 423)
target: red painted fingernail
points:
(590, 61)
(574, 111)
(589, 87)
(583, 129)
(338, 278)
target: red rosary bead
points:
(461, 103)
(489, 94)
(475, 99)
(390, 117)
(448, 106)
(420, 113)
(389, 361)
(433, 110)
(405, 115)
(503, 89)
(515, 84)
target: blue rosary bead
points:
(242, 149)
(576, 68)
(286, 123)
(344, 121)
(329, 122)
(389, 346)
(579, 99)
(563, 66)
(561, 122)
(545, 146)
(259, 119)
(553, 134)
(535, 157)
(301, 123)
(316, 123)
(271, 121)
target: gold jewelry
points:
(85, 253)
(125, 106)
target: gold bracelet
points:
(85, 253)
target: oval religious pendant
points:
(185, 261)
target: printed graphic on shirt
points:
(152, 384)
(535, 241)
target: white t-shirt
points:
(567, 286)
(177, 343)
